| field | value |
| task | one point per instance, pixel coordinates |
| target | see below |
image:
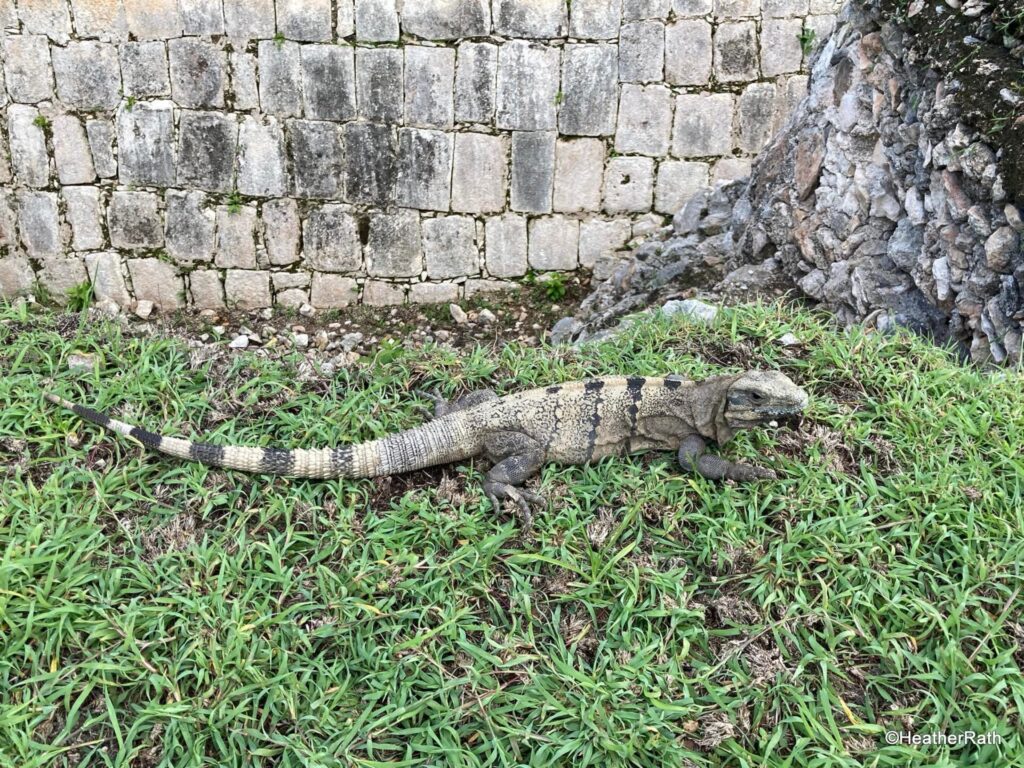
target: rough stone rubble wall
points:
(197, 152)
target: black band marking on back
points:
(594, 388)
(634, 387)
(553, 390)
(90, 415)
(672, 382)
(341, 461)
(277, 461)
(206, 453)
(147, 438)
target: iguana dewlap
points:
(571, 423)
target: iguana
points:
(572, 423)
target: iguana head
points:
(758, 397)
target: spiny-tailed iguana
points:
(571, 423)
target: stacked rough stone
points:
(202, 152)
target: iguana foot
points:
(523, 499)
(692, 457)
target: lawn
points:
(155, 612)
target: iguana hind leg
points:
(692, 457)
(518, 457)
(443, 407)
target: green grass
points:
(154, 612)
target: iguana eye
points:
(757, 397)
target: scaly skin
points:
(572, 423)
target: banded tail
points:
(439, 442)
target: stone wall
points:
(195, 152)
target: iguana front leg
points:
(518, 458)
(443, 407)
(692, 457)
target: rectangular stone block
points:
(446, 19)
(527, 86)
(825, 6)
(595, 19)
(133, 220)
(333, 291)
(645, 120)
(247, 289)
(46, 17)
(628, 184)
(476, 287)
(101, 143)
(16, 276)
(8, 218)
(642, 52)
(429, 82)
(475, 82)
(394, 247)
(821, 29)
(781, 50)
(449, 245)
(376, 20)
(144, 69)
(330, 241)
(201, 17)
(157, 281)
(261, 164)
(554, 243)
(346, 21)
(632, 10)
(371, 163)
(71, 151)
(58, 275)
(145, 143)
(703, 125)
(783, 8)
(505, 245)
(306, 20)
(101, 19)
(731, 169)
(27, 68)
(244, 86)
(198, 72)
(107, 278)
(424, 169)
(734, 9)
(433, 293)
(688, 52)
(589, 78)
(685, 8)
(600, 239)
(82, 210)
(281, 229)
(29, 159)
(579, 171)
(206, 289)
(479, 175)
(206, 150)
(379, 92)
(88, 75)
(317, 165)
(377, 293)
(533, 170)
(236, 237)
(38, 223)
(530, 18)
(328, 82)
(249, 19)
(280, 71)
(756, 109)
(736, 52)
(189, 230)
(153, 19)
(678, 181)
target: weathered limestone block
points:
(247, 289)
(678, 181)
(261, 167)
(206, 150)
(189, 233)
(783, 8)
(447, 19)
(370, 163)
(756, 109)
(554, 243)
(6, 174)
(688, 52)
(101, 144)
(16, 276)
(533, 170)
(449, 244)
(579, 171)
(249, 19)
(145, 144)
(198, 72)
(206, 289)
(281, 228)
(394, 246)
(153, 19)
(530, 18)
(27, 68)
(82, 210)
(60, 274)
(377, 293)
(379, 84)
(645, 9)
(589, 77)
(733, 9)
(424, 169)
(100, 18)
(527, 86)
(200, 17)
(306, 20)
(38, 223)
(475, 287)
(595, 19)
(505, 245)
(476, 76)
(600, 239)
(345, 25)
(245, 90)
(133, 220)
(107, 278)
(46, 17)
(88, 75)
(328, 82)
(236, 237)
(144, 69)
(8, 218)
(736, 52)
(157, 281)
(780, 46)
(316, 157)
(29, 158)
(645, 120)
(628, 184)
(429, 79)
(330, 240)
(333, 291)
(293, 297)
(730, 169)
(703, 125)
(433, 293)
(280, 68)
(479, 175)
(641, 51)
(822, 27)
(376, 20)
(685, 8)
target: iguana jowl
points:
(571, 423)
